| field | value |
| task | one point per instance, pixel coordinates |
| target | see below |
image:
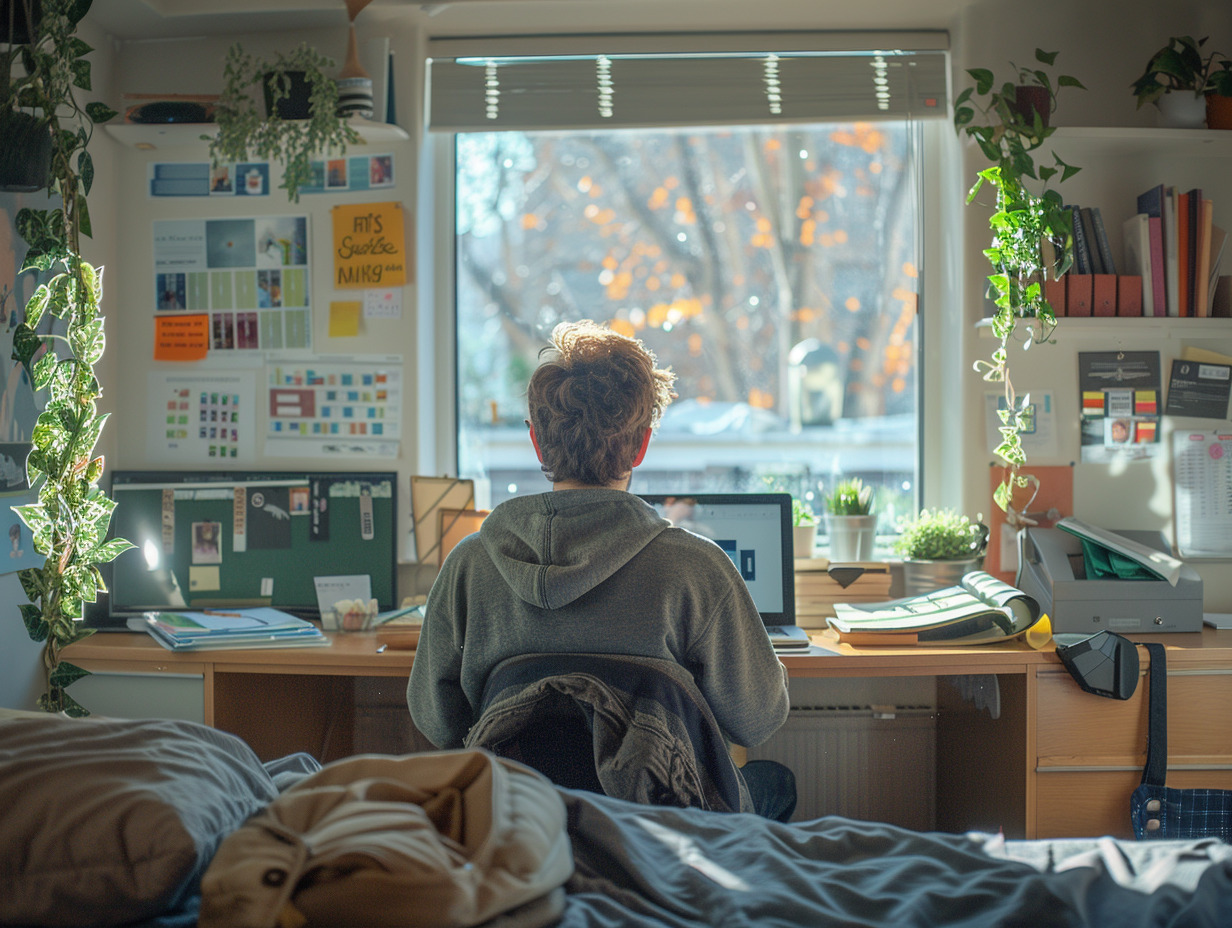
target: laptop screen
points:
(755, 531)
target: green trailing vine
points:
(1032, 236)
(244, 134)
(70, 517)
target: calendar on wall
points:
(1202, 481)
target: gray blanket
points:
(640, 866)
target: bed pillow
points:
(107, 821)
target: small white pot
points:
(851, 537)
(803, 538)
(1182, 110)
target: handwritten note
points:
(181, 338)
(369, 246)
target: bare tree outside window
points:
(775, 269)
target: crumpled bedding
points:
(684, 868)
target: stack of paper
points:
(240, 628)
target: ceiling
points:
(152, 19)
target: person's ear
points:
(642, 451)
(535, 441)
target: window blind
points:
(623, 81)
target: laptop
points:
(755, 531)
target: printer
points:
(1051, 568)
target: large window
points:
(774, 268)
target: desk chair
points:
(631, 727)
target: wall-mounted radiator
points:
(873, 762)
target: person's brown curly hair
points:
(591, 400)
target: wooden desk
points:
(1057, 761)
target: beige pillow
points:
(106, 821)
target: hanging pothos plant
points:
(69, 519)
(1032, 234)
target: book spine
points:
(1082, 259)
(1094, 264)
(1171, 251)
(1183, 278)
(1101, 242)
(1159, 284)
(1136, 233)
(1202, 269)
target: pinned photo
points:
(207, 543)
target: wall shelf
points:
(1101, 141)
(150, 136)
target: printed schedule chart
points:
(1202, 476)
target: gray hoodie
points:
(596, 571)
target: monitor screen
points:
(245, 539)
(755, 531)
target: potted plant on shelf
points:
(804, 528)
(1179, 81)
(849, 521)
(938, 546)
(69, 518)
(301, 118)
(1032, 235)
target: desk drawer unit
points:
(1090, 750)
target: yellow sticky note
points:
(344, 319)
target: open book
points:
(980, 609)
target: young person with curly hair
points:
(590, 567)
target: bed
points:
(123, 822)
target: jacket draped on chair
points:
(638, 728)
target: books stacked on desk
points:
(241, 628)
(980, 609)
(820, 583)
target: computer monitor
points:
(235, 538)
(755, 531)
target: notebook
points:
(755, 531)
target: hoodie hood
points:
(554, 547)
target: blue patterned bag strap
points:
(1156, 769)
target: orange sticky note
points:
(344, 319)
(181, 338)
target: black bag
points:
(1156, 810)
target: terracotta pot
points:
(1218, 111)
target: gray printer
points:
(1051, 569)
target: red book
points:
(1103, 295)
(1078, 294)
(1183, 305)
(1129, 295)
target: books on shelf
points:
(262, 627)
(980, 609)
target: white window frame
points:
(939, 471)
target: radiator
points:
(871, 763)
